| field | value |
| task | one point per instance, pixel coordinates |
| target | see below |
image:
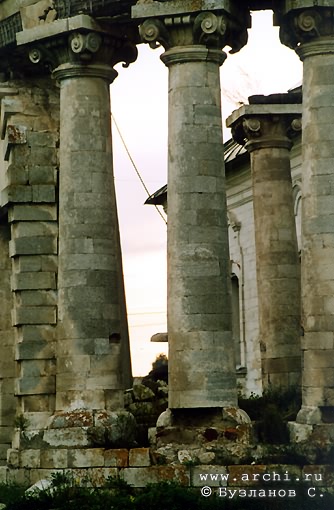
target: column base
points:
(202, 436)
(198, 428)
(81, 428)
(313, 415)
(314, 428)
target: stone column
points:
(201, 350)
(310, 31)
(93, 363)
(266, 130)
(89, 334)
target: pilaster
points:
(266, 130)
(309, 29)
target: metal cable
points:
(134, 165)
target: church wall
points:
(243, 262)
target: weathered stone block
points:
(16, 193)
(37, 367)
(95, 476)
(39, 404)
(116, 458)
(36, 333)
(27, 263)
(36, 298)
(42, 175)
(50, 263)
(7, 402)
(91, 457)
(92, 398)
(79, 364)
(35, 315)
(30, 459)
(54, 459)
(33, 245)
(34, 229)
(141, 476)
(43, 193)
(20, 476)
(318, 359)
(7, 367)
(139, 457)
(16, 174)
(34, 280)
(36, 385)
(6, 432)
(39, 139)
(103, 382)
(300, 432)
(43, 156)
(32, 213)
(74, 437)
(106, 363)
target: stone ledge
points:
(263, 109)
(58, 27)
(175, 7)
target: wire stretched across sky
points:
(134, 165)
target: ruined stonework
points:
(7, 399)
(29, 127)
(63, 324)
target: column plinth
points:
(267, 136)
(310, 32)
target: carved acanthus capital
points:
(301, 26)
(83, 49)
(263, 131)
(211, 29)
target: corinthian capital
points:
(85, 43)
(305, 25)
(211, 29)
(266, 125)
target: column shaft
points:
(89, 368)
(310, 30)
(277, 265)
(201, 351)
(318, 231)
(265, 128)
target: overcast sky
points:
(139, 103)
